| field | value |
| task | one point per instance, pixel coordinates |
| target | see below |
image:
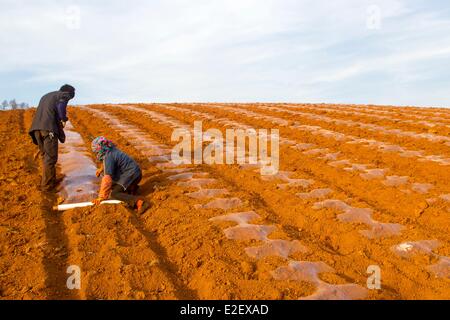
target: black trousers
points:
(48, 147)
(129, 195)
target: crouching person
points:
(121, 175)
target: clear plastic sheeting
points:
(395, 181)
(196, 183)
(303, 146)
(382, 230)
(436, 158)
(412, 248)
(369, 126)
(79, 183)
(314, 152)
(422, 187)
(317, 130)
(340, 163)
(193, 180)
(174, 123)
(245, 231)
(371, 114)
(221, 203)
(315, 194)
(259, 116)
(160, 118)
(290, 182)
(385, 147)
(187, 176)
(327, 291)
(176, 171)
(281, 248)
(305, 271)
(207, 193)
(309, 272)
(373, 174)
(155, 152)
(332, 204)
(361, 215)
(160, 153)
(168, 166)
(356, 167)
(441, 268)
(331, 156)
(411, 154)
(239, 218)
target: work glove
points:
(97, 201)
(99, 172)
(105, 188)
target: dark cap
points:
(69, 89)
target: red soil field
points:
(358, 186)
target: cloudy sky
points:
(342, 51)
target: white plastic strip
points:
(68, 206)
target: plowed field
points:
(359, 187)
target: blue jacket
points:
(121, 167)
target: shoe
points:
(142, 206)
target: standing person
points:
(47, 128)
(121, 175)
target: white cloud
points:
(227, 50)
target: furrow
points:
(359, 131)
(344, 144)
(409, 112)
(431, 127)
(24, 273)
(245, 231)
(184, 179)
(426, 196)
(356, 214)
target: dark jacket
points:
(46, 116)
(121, 167)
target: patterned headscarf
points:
(100, 146)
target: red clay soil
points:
(180, 250)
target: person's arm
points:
(106, 184)
(61, 108)
(105, 190)
(99, 171)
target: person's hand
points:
(98, 172)
(63, 123)
(97, 201)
